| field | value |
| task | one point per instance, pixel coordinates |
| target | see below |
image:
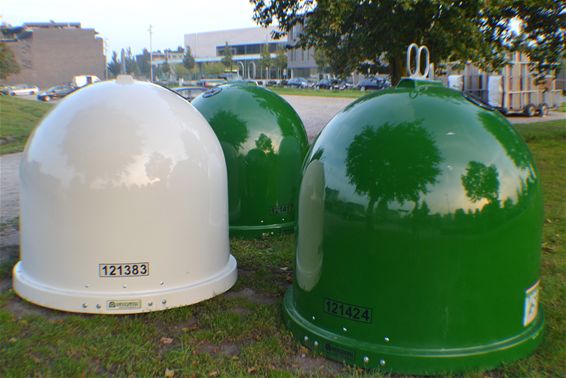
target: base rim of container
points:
(408, 360)
(101, 302)
(269, 229)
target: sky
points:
(125, 23)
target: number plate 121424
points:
(344, 310)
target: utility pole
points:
(150, 56)
(105, 58)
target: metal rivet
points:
(87, 286)
(306, 338)
(85, 305)
(98, 306)
(366, 359)
(164, 301)
(124, 286)
(261, 221)
(386, 339)
(162, 283)
(283, 219)
(315, 344)
(344, 329)
(382, 362)
(313, 317)
(150, 303)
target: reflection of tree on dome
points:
(481, 181)
(230, 128)
(393, 163)
(263, 143)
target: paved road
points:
(315, 112)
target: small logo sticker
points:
(124, 305)
(531, 304)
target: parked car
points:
(298, 82)
(58, 91)
(342, 84)
(23, 89)
(5, 90)
(325, 84)
(211, 83)
(190, 93)
(375, 83)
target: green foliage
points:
(114, 67)
(212, 68)
(322, 60)
(165, 68)
(368, 34)
(131, 63)
(8, 64)
(227, 58)
(280, 61)
(143, 61)
(17, 119)
(188, 59)
(180, 71)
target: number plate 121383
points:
(124, 270)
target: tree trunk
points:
(396, 69)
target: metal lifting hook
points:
(417, 74)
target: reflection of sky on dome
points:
(78, 139)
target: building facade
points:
(300, 62)
(53, 53)
(246, 46)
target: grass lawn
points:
(17, 118)
(241, 333)
(349, 93)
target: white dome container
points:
(124, 204)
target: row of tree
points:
(368, 35)
(139, 65)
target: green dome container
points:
(264, 143)
(418, 238)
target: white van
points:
(82, 80)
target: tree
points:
(322, 60)
(357, 32)
(131, 63)
(8, 64)
(181, 71)
(280, 61)
(165, 68)
(188, 59)
(142, 61)
(265, 58)
(114, 67)
(227, 59)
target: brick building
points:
(53, 53)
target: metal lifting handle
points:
(417, 74)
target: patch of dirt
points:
(5, 285)
(240, 311)
(21, 309)
(252, 296)
(316, 366)
(9, 254)
(226, 349)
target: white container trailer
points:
(512, 89)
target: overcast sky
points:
(125, 23)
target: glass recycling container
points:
(124, 204)
(264, 143)
(418, 239)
